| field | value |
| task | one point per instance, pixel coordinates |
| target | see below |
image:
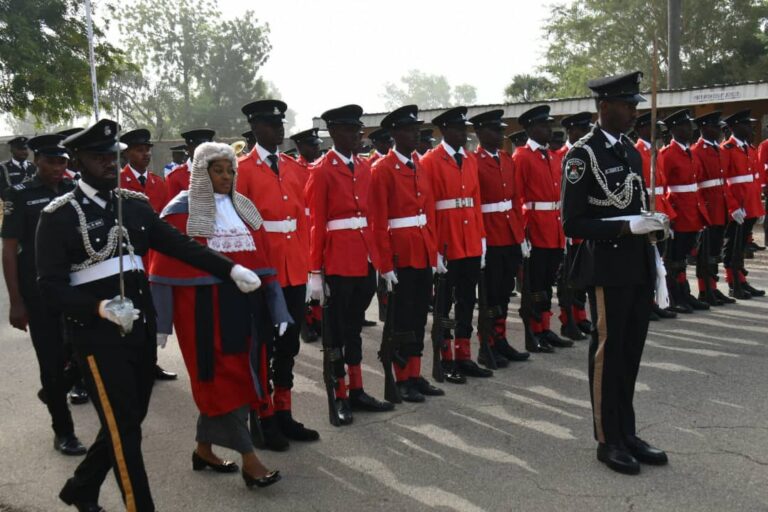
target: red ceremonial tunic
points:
(712, 181)
(154, 188)
(279, 198)
(231, 385)
(178, 180)
(742, 177)
(497, 184)
(680, 169)
(762, 158)
(537, 180)
(460, 229)
(662, 202)
(334, 192)
(399, 192)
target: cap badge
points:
(107, 130)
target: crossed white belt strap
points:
(279, 226)
(542, 205)
(678, 189)
(104, 269)
(350, 223)
(459, 202)
(711, 183)
(415, 221)
(502, 206)
(659, 190)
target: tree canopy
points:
(427, 91)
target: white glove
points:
(162, 339)
(662, 293)
(525, 248)
(120, 312)
(316, 287)
(482, 256)
(246, 280)
(442, 267)
(672, 234)
(644, 224)
(739, 215)
(390, 278)
(761, 219)
(281, 328)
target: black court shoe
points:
(270, 478)
(226, 466)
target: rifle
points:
(391, 341)
(571, 329)
(485, 318)
(331, 357)
(439, 324)
(382, 298)
(526, 310)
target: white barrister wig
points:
(202, 205)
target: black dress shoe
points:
(539, 344)
(574, 333)
(681, 308)
(362, 401)
(368, 323)
(653, 317)
(267, 436)
(452, 373)
(585, 326)
(742, 294)
(723, 297)
(69, 496)
(161, 374)
(226, 466)
(645, 453)
(270, 478)
(425, 388)
(505, 349)
(663, 313)
(696, 304)
(409, 393)
(752, 290)
(345, 411)
(555, 340)
(471, 369)
(294, 430)
(710, 298)
(78, 395)
(498, 360)
(69, 445)
(618, 459)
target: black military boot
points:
(663, 313)
(425, 388)
(409, 392)
(752, 290)
(741, 294)
(508, 351)
(362, 401)
(294, 430)
(723, 297)
(555, 340)
(692, 301)
(538, 343)
(452, 373)
(710, 298)
(266, 434)
(500, 361)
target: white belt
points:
(104, 269)
(416, 221)
(692, 187)
(350, 223)
(659, 190)
(503, 206)
(745, 178)
(711, 183)
(542, 205)
(306, 212)
(459, 202)
(279, 226)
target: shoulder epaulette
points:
(131, 194)
(580, 143)
(59, 202)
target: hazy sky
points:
(329, 53)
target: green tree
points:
(525, 88)
(44, 67)
(427, 91)
(721, 41)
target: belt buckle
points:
(457, 202)
(357, 223)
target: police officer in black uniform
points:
(23, 205)
(114, 340)
(603, 201)
(16, 169)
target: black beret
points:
(403, 116)
(193, 137)
(490, 118)
(265, 110)
(348, 114)
(536, 114)
(621, 87)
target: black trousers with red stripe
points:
(620, 316)
(119, 379)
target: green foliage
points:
(44, 69)
(525, 88)
(427, 91)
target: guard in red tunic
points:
(452, 174)
(178, 178)
(275, 184)
(712, 189)
(538, 173)
(762, 158)
(342, 249)
(681, 171)
(308, 145)
(643, 146)
(743, 186)
(426, 142)
(503, 221)
(518, 140)
(382, 143)
(402, 217)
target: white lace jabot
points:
(230, 233)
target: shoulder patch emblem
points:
(574, 170)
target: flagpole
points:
(92, 58)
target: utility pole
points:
(674, 29)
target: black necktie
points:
(458, 158)
(142, 180)
(744, 147)
(273, 164)
(496, 157)
(107, 198)
(544, 152)
(688, 152)
(351, 165)
(410, 165)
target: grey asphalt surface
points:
(520, 441)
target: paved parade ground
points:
(520, 441)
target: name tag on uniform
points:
(94, 224)
(613, 170)
(38, 201)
